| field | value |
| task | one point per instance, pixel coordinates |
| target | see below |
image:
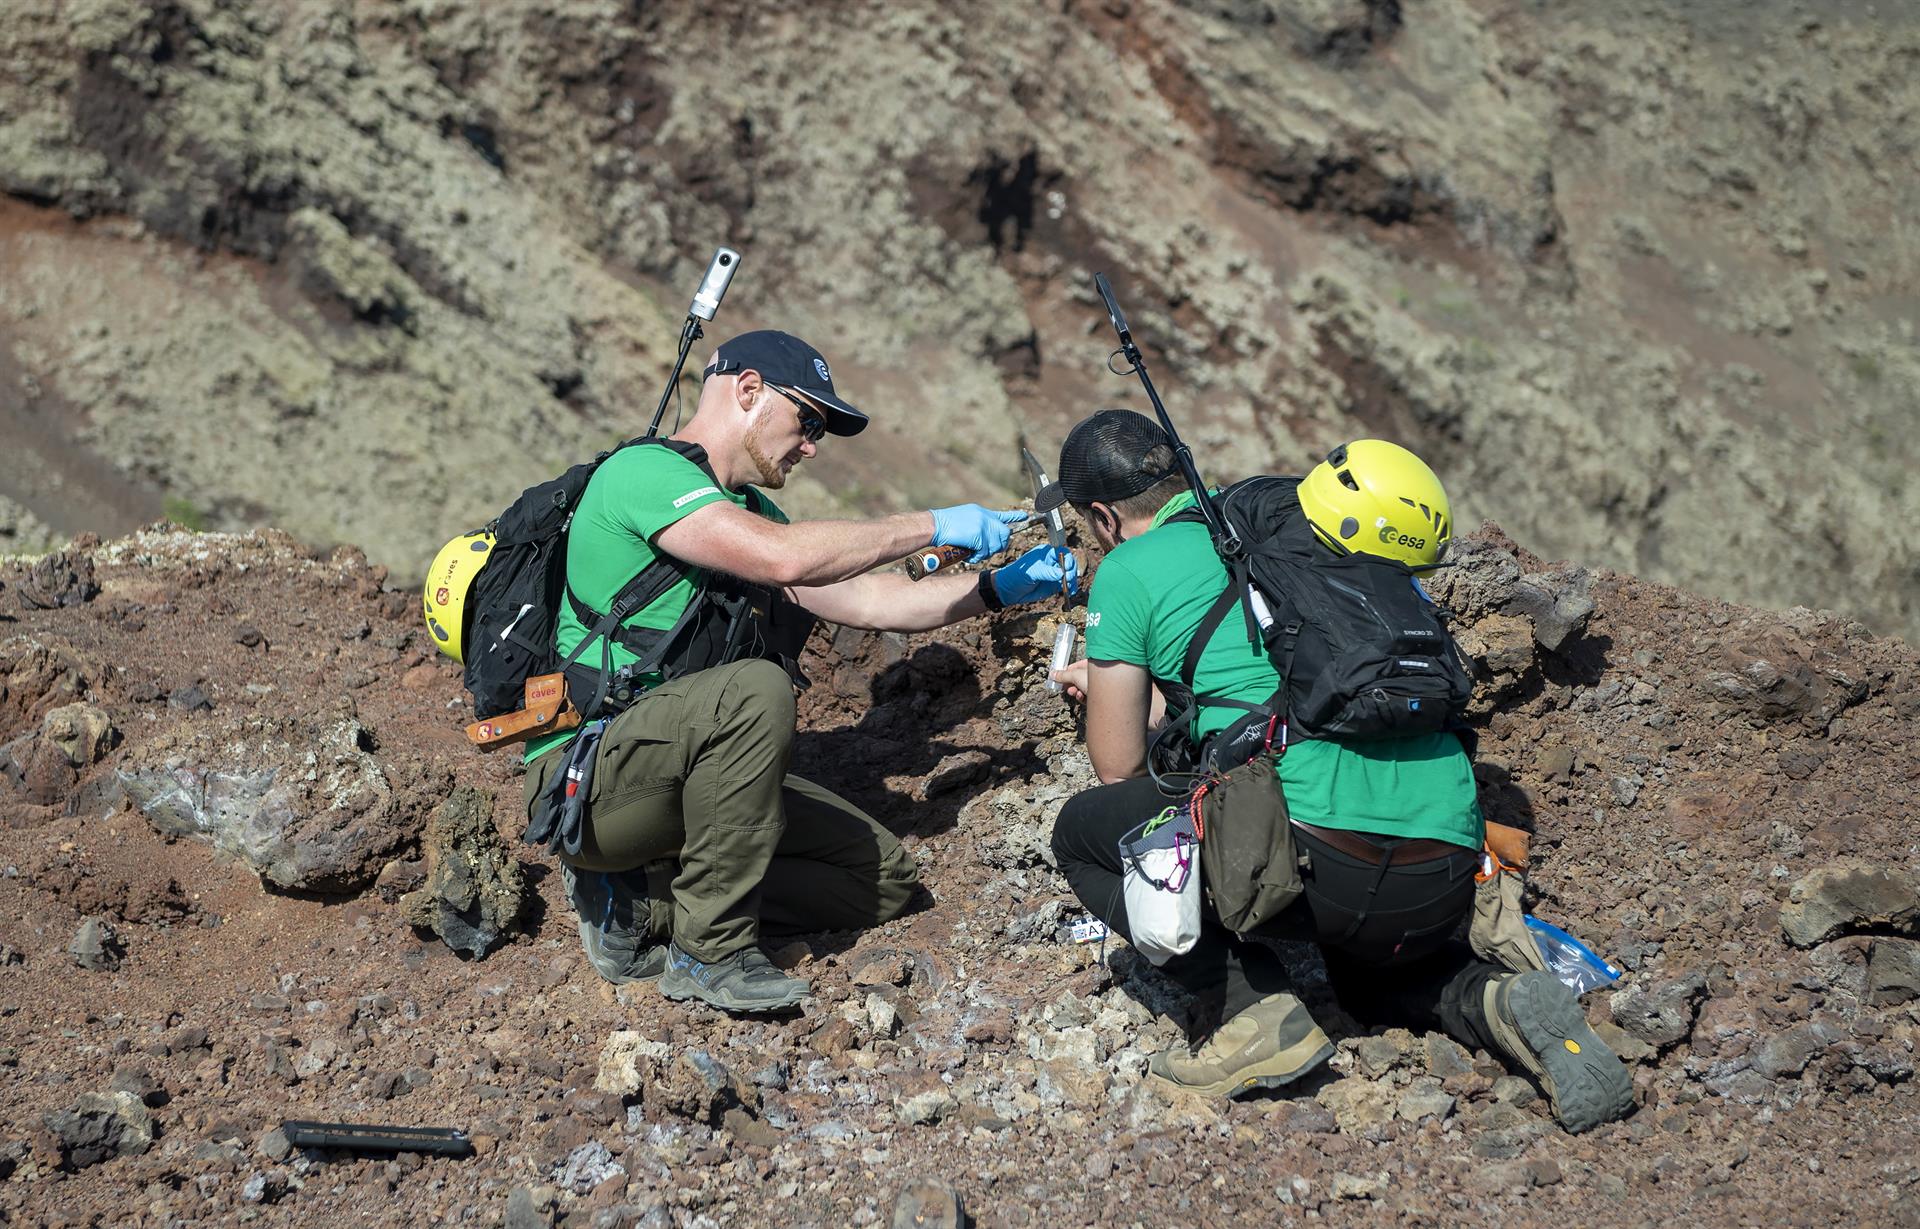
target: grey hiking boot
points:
(1271, 1043)
(746, 981)
(614, 923)
(1538, 1022)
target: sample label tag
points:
(1089, 930)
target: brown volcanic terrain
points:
(1638, 277)
(1721, 796)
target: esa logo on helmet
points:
(1393, 537)
(820, 365)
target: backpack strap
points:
(645, 588)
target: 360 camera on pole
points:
(706, 301)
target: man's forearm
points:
(888, 601)
(824, 552)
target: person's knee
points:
(1068, 840)
(763, 689)
(898, 883)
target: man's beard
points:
(772, 477)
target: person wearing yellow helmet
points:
(1389, 824)
(1375, 497)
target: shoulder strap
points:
(1203, 634)
(641, 591)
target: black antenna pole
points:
(706, 301)
(1225, 540)
(688, 335)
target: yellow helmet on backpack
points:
(445, 593)
(1376, 498)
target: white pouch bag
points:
(1161, 883)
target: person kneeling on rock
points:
(696, 835)
(1390, 828)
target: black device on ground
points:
(363, 1137)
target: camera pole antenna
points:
(1225, 540)
(706, 301)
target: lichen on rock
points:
(474, 893)
(299, 799)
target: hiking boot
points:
(1271, 1043)
(614, 930)
(746, 981)
(1537, 1021)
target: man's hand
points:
(981, 530)
(1036, 576)
(1073, 678)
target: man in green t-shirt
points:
(695, 834)
(1391, 827)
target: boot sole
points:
(1277, 1072)
(1585, 1080)
(681, 987)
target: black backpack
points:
(1361, 650)
(514, 604)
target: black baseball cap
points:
(783, 359)
(1105, 458)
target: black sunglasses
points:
(811, 424)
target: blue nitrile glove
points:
(981, 530)
(1036, 576)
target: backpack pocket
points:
(512, 636)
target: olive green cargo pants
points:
(696, 774)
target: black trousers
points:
(1402, 964)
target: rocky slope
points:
(1635, 276)
(237, 808)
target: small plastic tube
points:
(1062, 653)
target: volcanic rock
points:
(96, 946)
(299, 799)
(98, 1127)
(474, 892)
(1851, 896)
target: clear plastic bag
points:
(1570, 960)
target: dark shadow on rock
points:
(824, 943)
(915, 701)
(1502, 799)
(1580, 662)
(534, 912)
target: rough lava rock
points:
(299, 799)
(475, 892)
(98, 1127)
(1660, 1014)
(1853, 896)
(96, 946)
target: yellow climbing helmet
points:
(1376, 498)
(445, 593)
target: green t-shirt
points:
(636, 493)
(1148, 598)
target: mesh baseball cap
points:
(1105, 459)
(783, 359)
